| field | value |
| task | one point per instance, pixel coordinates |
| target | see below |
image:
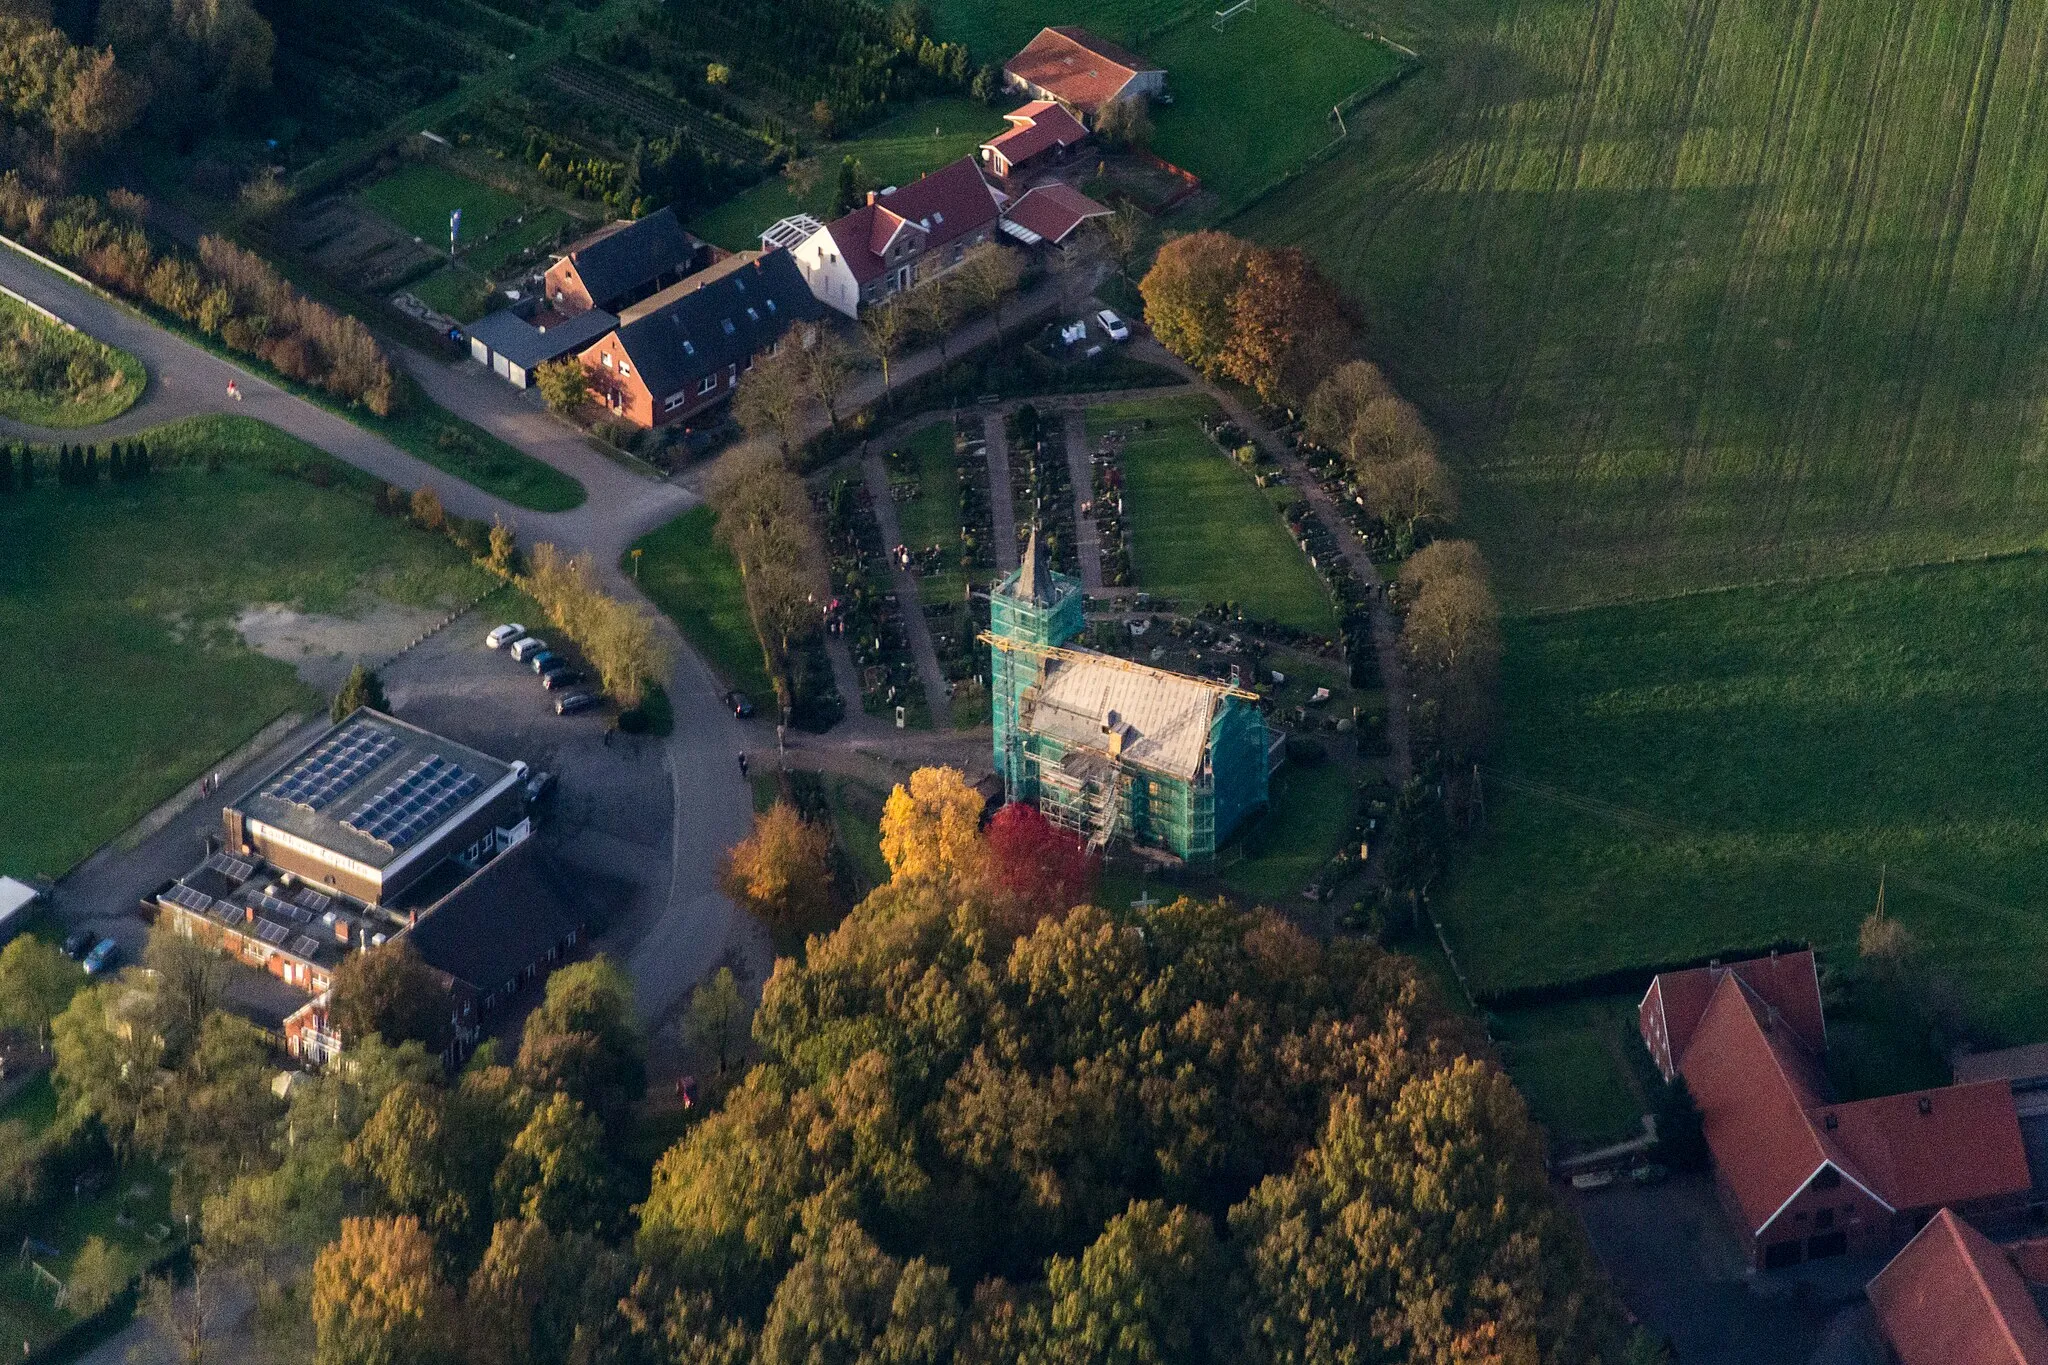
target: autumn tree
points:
(390, 992)
(361, 688)
(216, 1113)
(413, 1155)
(556, 1172)
(620, 639)
(1046, 869)
(782, 871)
(1188, 293)
(1333, 409)
(771, 398)
(931, 829)
(377, 1296)
(1407, 491)
(1287, 330)
(847, 1299)
(426, 510)
(584, 1040)
(98, 1273)
(986, 277)
(1146, 1292)
(1450, 635)
(564, 384)
(717, 1021)
(36, 983)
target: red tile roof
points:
(1038, 127)
(1076, 66)
(1788, 982)
(1053, 211)
(947, 204)
(1965, 1147)
(1952, 1298)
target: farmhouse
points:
(622, 263)
(898, 239)
(1803, 1177)
(1073, 67)
(1040, 132)
(1051, 214)
(1951, 1297)
(684, 349)
(1109, 749)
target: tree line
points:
(764, 519)
(619, 639)
(74, 466)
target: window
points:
(753, 315)
(607, 359)
(625, 368)
(726, 323)
(732, 374)
(689, 348)
(939, 218)
(771, 305)
(707, 383)
(675, 400)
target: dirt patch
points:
(324, 648)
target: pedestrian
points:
(743, 766)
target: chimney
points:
(341, 930)
(871, 198)
(1926, 1106)
(248, 914)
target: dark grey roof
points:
(348, 790)
(1034, 577)
(720, 324)
(500, 921)
(620, 262)
(526, 345)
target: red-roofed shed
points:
(1952, 1298)
(1037, 130)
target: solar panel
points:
(305, 946)
(275, 908)
(341, 760)
(270, 932)
(313, 900)
(234, 869)
(186, 898)
(407, 807)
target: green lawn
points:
(125, 595)
(933, 517)
(1706, 296)
(1310, 811)
(995, 29)
(419, 197)
(37, 385)
(473, 455)
(140, 1190)
(1201, 530)
(857, 823)
(456, 290)
(894, 152)
(1304, 65)
(1575, 1064)
(689, 575)
(1715, 772)
(541, 227)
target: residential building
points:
(1110, 749)
(1073, 67)
(1802, 1176)
(1951, 1297)
(514, 342)
(684, 349)
(1040, 133)
(897, 240)
(622, 263)
(1050, 215)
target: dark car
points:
(102, 956)
(574, 702)
(80, 943)
(559, 678)
(741, 706)
(541, 660)
(554, 663)
(539, 788)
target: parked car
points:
(527, 648)
(560, 678)
(101, 957)
(546, 662)
(574, 702)
(741, 705)
(1113, 325)
(80, 943)
(503, 635)
(539, 788)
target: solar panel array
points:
(271, 932)
(334, 767)
(234, 869)
(281, 910)
(305, 946)
(186, 898)
(313, 900)
(415, 803)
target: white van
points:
(528, 647)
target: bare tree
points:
(886, 327)
(988, 276)
(828, 369)
(1387, 428)
(1333, 410)
(931, 304)
(1408, 490)
(1122, 234)
(189, 1317)
(770, 400)
(1451, 637)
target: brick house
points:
(900, 238)
(683, 350)
(1802, 1176)
(1040, 133)
(1075, 68)
(1050, 215)
(622, 263)
(1951, 1297)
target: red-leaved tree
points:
(1046, 869)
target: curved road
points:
(713, 805)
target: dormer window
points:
(689, 348)
(753, 315)
(771, 305)
(727, 324)
(939, 218)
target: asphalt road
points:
(696, 927)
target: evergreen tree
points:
(91, 470)
(848, 198)
(28, 468)
(363, 688)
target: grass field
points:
(1278, 72)
(473, 455)
(540, 227)
(1201, 531)
(1577, 1064)
(456, 290)
(690, 576)
(125, 595)
(1706, 293)
(1285, 848)
(995, 29)
(419, 197)
(56, 378)
(933, 517)
(1719, 771)
(894, 152)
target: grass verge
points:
(51, 377)
(687, 574)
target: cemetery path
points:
(1081, 473)
(909, 603)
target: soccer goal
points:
(1224, 16)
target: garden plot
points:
(349, 243)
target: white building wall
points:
(826, 272)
